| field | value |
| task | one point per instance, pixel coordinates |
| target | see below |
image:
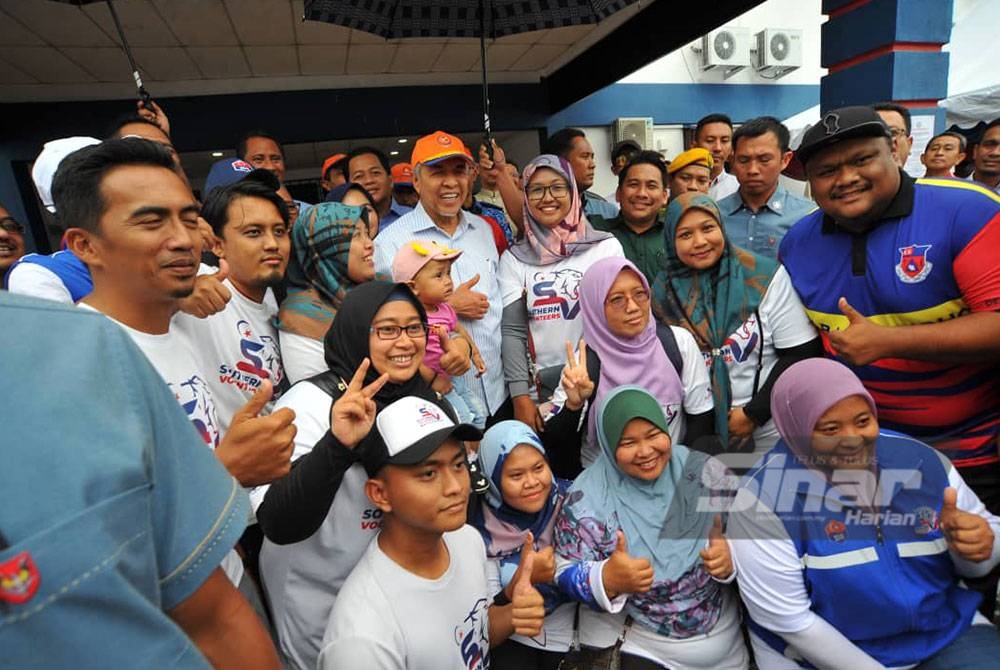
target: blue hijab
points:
(504, 528)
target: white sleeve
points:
(312, 419)
(510, 277)
(968, 501)
(33, 280)
(827, 649)
(694, 376)
(493, 584)
(301, 356)
(613, 605)
(359, 652)
(783, 315)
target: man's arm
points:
(509, 192)
(223, 626)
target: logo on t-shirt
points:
(926, 520)
(913, 265)
(557, 295)
(473, 637)
(19, 579)
(261, 361)
(371, 519)
(195, 398)
(738, 346)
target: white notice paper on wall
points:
(922, 130)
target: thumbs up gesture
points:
(862, 341)
(527, 614)
(716, 557)
(624, 574)
(258, 449)
(469, 304)
(968, 535)
(209, 296)
(454, 355)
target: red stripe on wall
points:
(883, 50)
(849, 7)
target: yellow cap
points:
(697, 156)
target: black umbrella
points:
(394, 19)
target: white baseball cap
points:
(409, 430)
(48, 162)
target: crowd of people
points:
(463, 414)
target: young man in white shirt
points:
(136, 228)
(419, 597)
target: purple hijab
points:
(640, 361)
(804, 392)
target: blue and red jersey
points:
(934, 256)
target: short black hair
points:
(361, 151)
(216, 207)
(962, 142)
(241, 146)
(114, 130)
(560, 143)
(759, 126)
(712, 118)
(899, 109)
(627, 148)
(644, 158)
(991, 125)
(76, 185)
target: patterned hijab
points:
(710, 303)
(317, 271)
(545, 246)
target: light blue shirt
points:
(595, 205)
(474, 237)
(396, 211)
(761, 231)
(114, 511)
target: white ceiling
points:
(56, 51)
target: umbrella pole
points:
(486, 91)
(143, 93)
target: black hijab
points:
(346, 342)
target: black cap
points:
(837, 125)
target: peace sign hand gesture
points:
(575, 380)
(353, 414)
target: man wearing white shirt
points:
(442, 175)
(715, 133)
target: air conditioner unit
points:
(639, 130)
(726, 48)
(778, 52)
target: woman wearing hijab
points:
(332, 252)
(624, 345)
(861, 568)
(540, 283)
(639, 540)
(317, 520)
(744, 314)
(523, 498)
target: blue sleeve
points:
(582, 540)
(198, 510)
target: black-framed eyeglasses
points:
(10, 225)
(557, 191)
(619, 302)
(413, 331)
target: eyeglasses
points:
(557, 191)
(11, 226)
(619, 302)
(413, 331)
(898, 132)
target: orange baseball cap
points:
(402, 174)
(438, 146)
(328, 163)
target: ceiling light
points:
(402, 140)
(216, 154)
(393, 153)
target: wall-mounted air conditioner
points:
(639, 130)
(778, 52)
(727, 49)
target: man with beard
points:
(902, 280)
(136, 227)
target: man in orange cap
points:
(442, 177)
(402, 185)
(332, 174)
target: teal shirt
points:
(645, 249)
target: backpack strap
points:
(669, 342)
(328, 383)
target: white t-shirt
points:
(697, 387)
(389, 618)
(552, 294)
(723, 185)
(783, 324)
(302, 580)
(557, 633)
(301, 356)
(237, 348)
(173, 358)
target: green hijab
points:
(711, 303)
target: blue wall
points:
(686, 103)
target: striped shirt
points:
(932, 257)
(474, 237)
